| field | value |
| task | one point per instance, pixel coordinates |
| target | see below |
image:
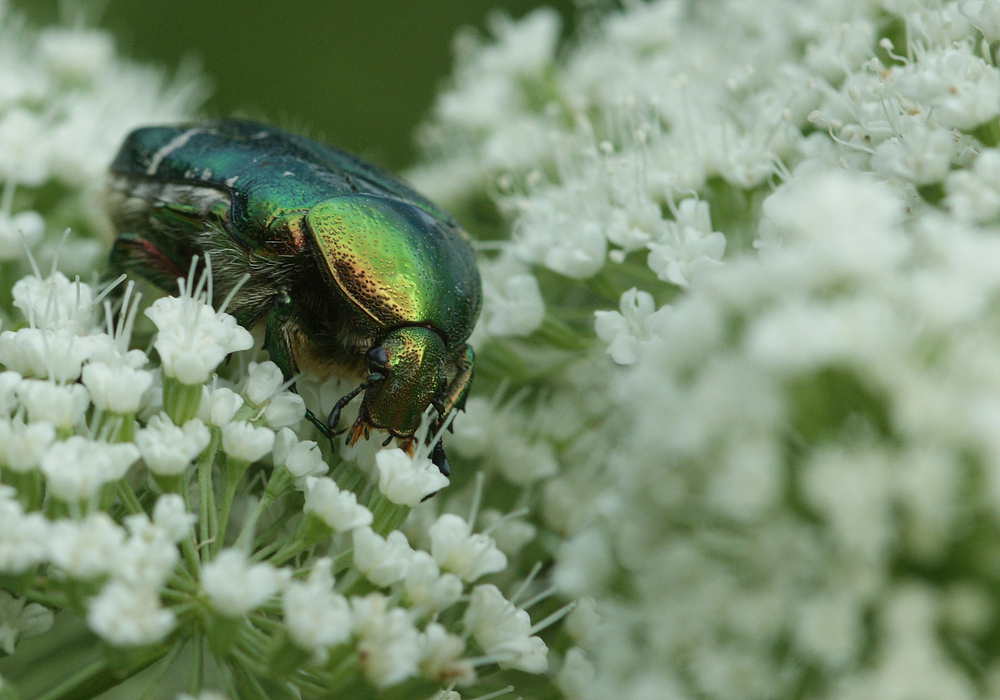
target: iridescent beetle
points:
(352, 273)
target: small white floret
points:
(117, 389)
(234, 586)
(172, 516)
(383, 561)
(458, 550)
(388, 644)
(243, 441)
(77, 468)
(315, 615)
(168, 449)
(406, 480)
(339, 509)
(125, 616)
(504, 631)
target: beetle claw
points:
(358, 430)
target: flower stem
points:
(197, 665)
(235, 469)
(180, 401)
(207, 523)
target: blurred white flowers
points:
(736, 395)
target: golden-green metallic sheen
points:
(391, 260)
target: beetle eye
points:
(377, 359)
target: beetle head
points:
(411, 361)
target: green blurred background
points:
(361, 74)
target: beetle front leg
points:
(453, 399)
(458, 389)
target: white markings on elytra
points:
(232, 181)
(168, 148)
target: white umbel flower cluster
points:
(774, 474)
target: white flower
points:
(510, 535)
(168, 449)
(974, 194)
(77, 468)
(388, 646)
(235, 587)
(117, 389)
(75, 54)
(302, 458)
(426, 586)
(54, 302)
(17, 231)
(20, 619)
(218, 406)
(47, 353)
(148, 556)
(585, 564)
(284, 409)
(406, 480)
(384, 561)
(125, 616)
(22, 446)
(87, 548)
(24, 537)
(339, 509)
(22, 141)
(9, 382)
(687, 246)
(512, 300)
(504, 631)
(628, 332)
(61, 405)
(441, 657)
(263, 381)
(959, 88)
(920, 154)
(170, 515)
(193, 338)
(556, 229)
(985, 14)
(243, 441)
(316, 616)
(576, 677)
(456, 549)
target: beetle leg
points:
(458, 390)
(440, 459)
(276, 332)
(149, 256)
(454, 398)
(334, 417)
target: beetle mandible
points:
(352, 273)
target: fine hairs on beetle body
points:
(352, 273)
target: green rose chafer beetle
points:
(352, 273)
